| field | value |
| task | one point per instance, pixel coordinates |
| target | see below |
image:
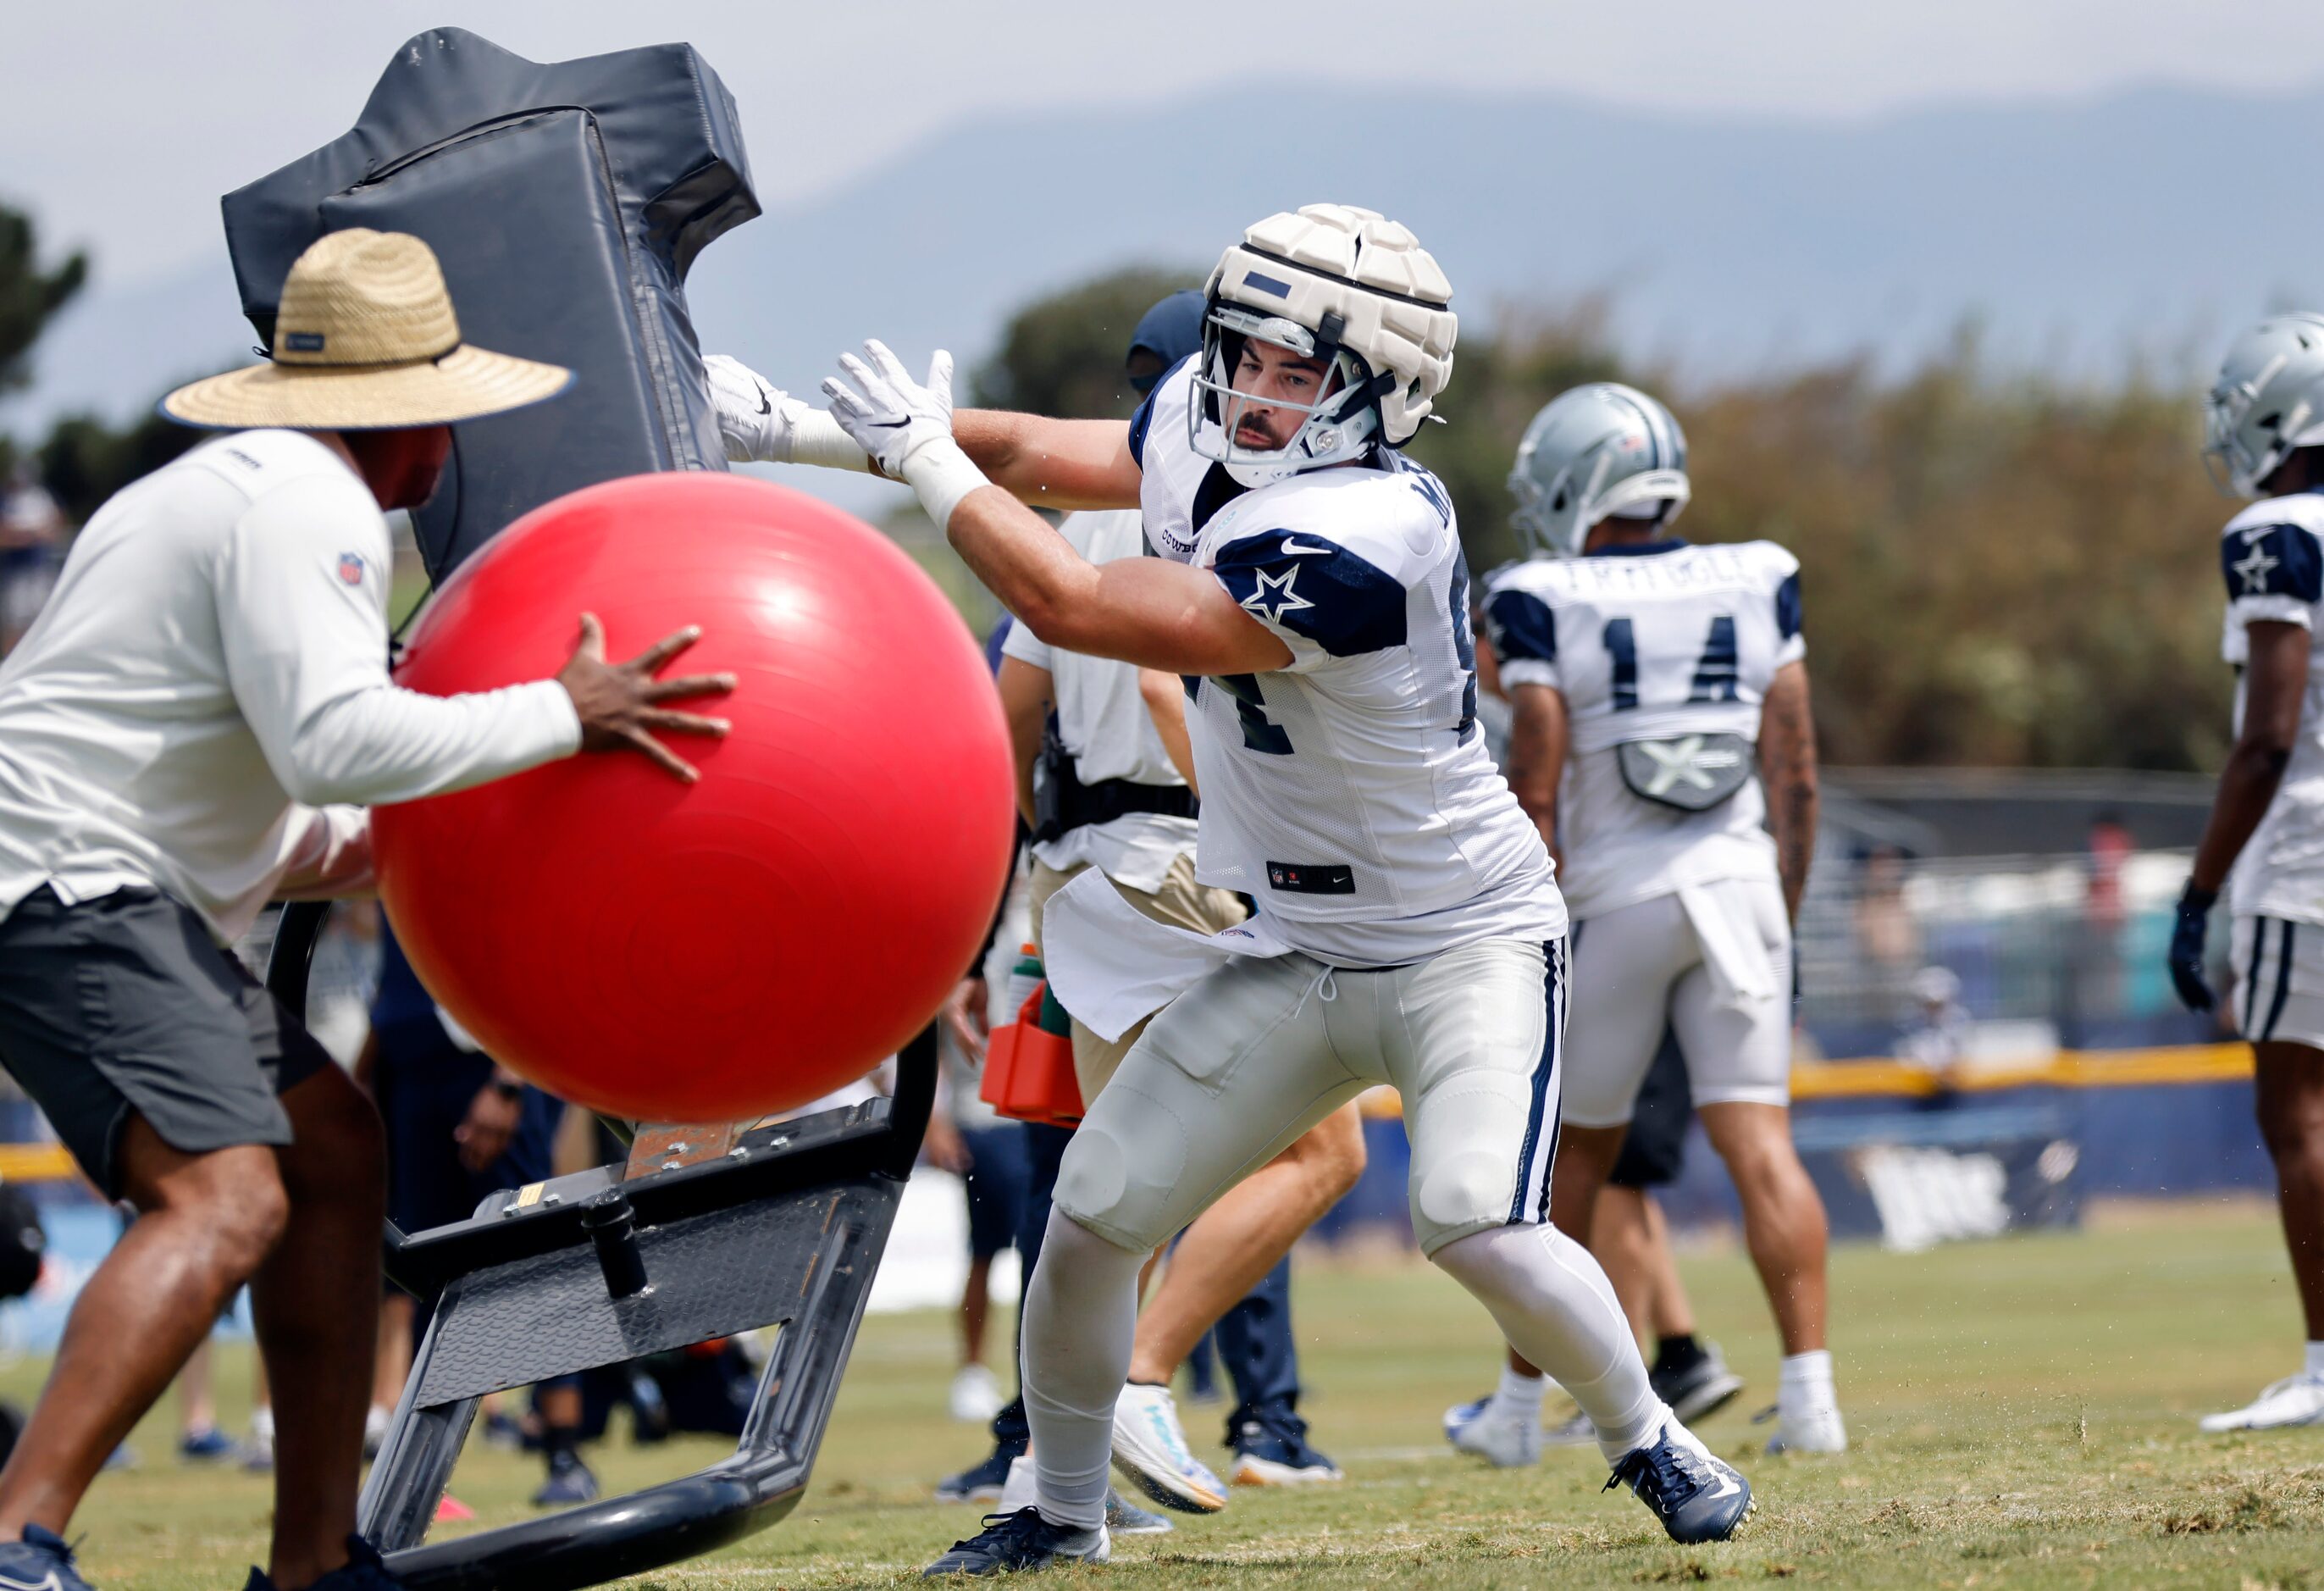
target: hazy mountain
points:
(2144, 224)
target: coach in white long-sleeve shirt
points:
(191, 729)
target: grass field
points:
(2024, 1413)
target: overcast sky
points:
(123, 123)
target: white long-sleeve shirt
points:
(204, 700)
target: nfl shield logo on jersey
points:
(351, 568)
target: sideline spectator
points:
(33, 537)
(988, 1152)
(1935, 1039)
(459, 1129)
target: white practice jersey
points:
(1102, 720)
(1350, 793)
(1655, 644)
(2273, 559)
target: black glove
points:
(2188, 933)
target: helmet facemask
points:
(1337, 428)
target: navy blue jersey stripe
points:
(1552, 977)
(2283, 983)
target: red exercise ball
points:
(712, 952)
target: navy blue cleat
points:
(40, 1562)
(362, 1571)
(979, 1483)
(1696, 1495)
(1018, 1544)
(570, 1483)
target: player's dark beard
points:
(1251, 431)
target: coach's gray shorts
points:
(123, 1004)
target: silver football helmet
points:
(1593, 452)
(2269, 400)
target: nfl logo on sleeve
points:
(351, 568)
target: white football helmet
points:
(1335, 284)
(2269, 400)
(1592, 453)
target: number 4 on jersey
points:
(1716, 672)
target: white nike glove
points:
(906, 426)
(759, 423)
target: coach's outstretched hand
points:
(617, 703)
(2188, 931)
(905, 425)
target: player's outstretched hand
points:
(890, 415)
(619, 704)
(2189, 931)
(755, 416)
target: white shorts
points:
(2279, 996)
(1645, 965)
(1231, 1072)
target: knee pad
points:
(1118, 1185)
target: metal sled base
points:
(713, 1232)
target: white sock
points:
(1080, 1318)
(2316, 1361)
(1520, 1395)
(1552, 1304)
(1805, 1383)
(262, 1423)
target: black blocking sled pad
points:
(566, 202)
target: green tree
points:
(1063, 355)
(29, 296)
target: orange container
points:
(1029, 1069)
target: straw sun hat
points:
(366, 339)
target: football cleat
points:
(41, 1561)
(1495, 1433)
(570, 1483)
(1271, 1449)
(1696, 1495)
(1017, 1543)
(1700, 1388)
(979, 1483)
(1149, 1447)
(975, 1396)
(1125, 1518)
(1576, 1432)
(2296, 1399)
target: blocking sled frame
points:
(707, 1231)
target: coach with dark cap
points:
(190, 730)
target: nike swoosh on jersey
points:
(1293, 549)
(765, 405)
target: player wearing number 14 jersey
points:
(1651, 681)
(1310, 581)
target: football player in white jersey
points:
(2264, 843)
(1309, 584)
(1654, 685)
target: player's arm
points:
(1145, 610)
(1060, 464)
(1027, 695)
(1165, 703)
(1539, 739)
(2275, 680)
(1787, 769)
(1518, 663)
